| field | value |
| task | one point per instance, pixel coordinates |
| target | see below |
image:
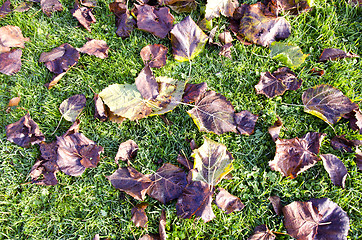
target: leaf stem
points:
(57, 126)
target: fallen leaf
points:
(154, 55)
(125, 23)
(274, 130)
(24, 132)
(89, 3)
(225, 37)
(150, 237)
(341, 143)
(130, 181)
(224, 7)
(70, 108)
(245, 122)
(139, 217)
(98, 48)
(10, 62)
(73, 129)
(355, 120)
(53, 54)
(289, 54)
(23, 7)
(228, 202)
(14, 101)
(205, 25)
(212, 162)
(50, 6)
(162, 225)
(187, 40)
(293, 156)
(159, 22)
(276, 83)
(332, 54)
(184, 162)
(179, 6)
(99, 109)
(84, 16)
(196, 200)
(193, 91)
(54, 80)
(168, 183)
(317, 71)
(262, 232)
(226, 50)
(293, 7)
(5, 9)
(126, 151)
(327, 103)
(146, 84)
(11, 36)
(358, 158)
(316, 219)
(335, 168)
(277, 204)
(213, 113)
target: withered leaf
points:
(73, 129)
(228, 202)
(59, 65)
(245, 122)
(224, 7)
(11, 36)
(50, 6)
(277, 204)
(168, 183)
(331, 54)
(76, 153)
(125, 23)
(262, 232)
(225, 37)
(126, 151)
(72, 107)
(24, 132)
(196, 200)
(130, 181)
(213, 113)
(150, 237)
(154, 55)
(99, 109)
(358, 158)
(10, 62)
(162, 225)
(13, 102)
(289, 54)
(291, 6)
(193, 91)
(159, 22)
(341, 143)
(212, 162)
(23, 7)
(274, 130)
(139, 217)
(89, 3)
(187, 39)
(296, 155)
(5, 9)
(52, 55)
(55, 80)
(98, 48)
(179, 6)
(327, 103)
(181, 159)
(276, 83)
(355, 120)
(316, 219)
(84, 16)
(335, 168)
(146, 84)
(226, 50)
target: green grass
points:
(80, 207)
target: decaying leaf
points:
(10, 62)
(55, 80)
(224, 7)
(72, 107)
(341, 143)
(262, 232)
(228, 202)
(5, 9)
(98, 48)
(14, 102)
(162, 225)
(212, 162)
(327, 103)
(276, 83)
(168, 183)
(181, 159)
(159, 22)
(225, 37)
(355, 120)
(257, 25)
(179, 6)
(277, 204)
(89, 3)
(196, 200)
(125, 23)
(100, 111)
(23, 7)
(335, 168)
(245, 122)
(84, 16)
(316, 219)
(154, 55)
(24, 132)
(150, 237)
(146, 84)
(11, 36)
(358, 158)
(226, 50)
(187, 39)
(291, 6)
(193, 91)
(289, 54)
(296, 155)
(126, 151)
(130, 181)
(274, 130)
(139, 217)
(331, 54)
(55, 53)
(50, 6)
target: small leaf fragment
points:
(262, 232)
(10, 62)
(358, 158)
(84, 16)
(126, 151)
(154, 55)
(98, 48)
(289, 54)
(228, 202)
(341, 143)
(179, 6)
(146, 84)
(332, 54)
(139, 217)
(355, 120)
(335, 168)
(184, 162)
(274, 130)
(277, 204)
(225, 37)
(14, 101)
(125, 23)
(72, 107)
(293, 7)
(23, 7)
(100, 111)
(50, 6)
(5, 9)
(224, 7)
(245, 122)
(162, 225)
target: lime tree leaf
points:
(327, 103)
(72, 107)
(125, 101)
(262, 232)
(212, 162)
(228, 202)
(335, 168)
(293, 7)
(139, 217)
(331, 54)
(154, 55)
(188, 40)
(289, 54)
(10, 62)
(146, 83)
(216, 7)
(213, 113)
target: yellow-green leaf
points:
(289, 54)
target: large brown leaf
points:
(139, 217)
(130, 181)
(154, 55)
(316, 219)
(146, 84)
(125, 23)
(296, 155)
(84, 16)
(24, 132)
(168, 183)
(50, 6)
(327, 103)
(228, 202)
(98, 48)
(10, 62)
(331, 54)
(335, 168)
(262, 232)
(11, 36)
(72, 107)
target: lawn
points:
(80, 207)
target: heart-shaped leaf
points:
(289, 54)
(72, 107)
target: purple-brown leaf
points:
(335, 168)
(181, 159)
(98, 48)
(139, 217)
(245, 122)
(84, 16)
(262, 232)
(193, 91)
(125, 23)
(147, 84)
(274, 130)
(50, 6)
(5, 9)
(154, 55)
(332, 54)
(126, 151)
(10, 62)
(277, 204)
(341, 143)
(99, 109)
(227, 202)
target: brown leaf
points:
(245, 122)
(139, 217)
(358, 158)
(262, 232)
(332, 54)
(159, 22)
(23, 7)
(100, 111)
(179, 6)
(196, 200)
(24, 132)
(227, 202)
(335, 168)
(274, 130)
(296, 155)
(146, 84)
(73, 129)
(125, 23)
(55, 80)
(50, 6)
(162, 226)
(84, 16)
(55, 53)
(71, 107)
(355, 120)
(226, 50)
(317, 71)
(10, 62)
(14, 101)
(11, 36)
(62, 63)
(193, 92)
(126, 151)
(168, 183)
(130, 181)
(216, 7)
(150, 237)
(5, 9)
(98, 48)
(277, 204)
(225, 37)
(184, 162)
(341, 143)
(293, 7)
(154, 55)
